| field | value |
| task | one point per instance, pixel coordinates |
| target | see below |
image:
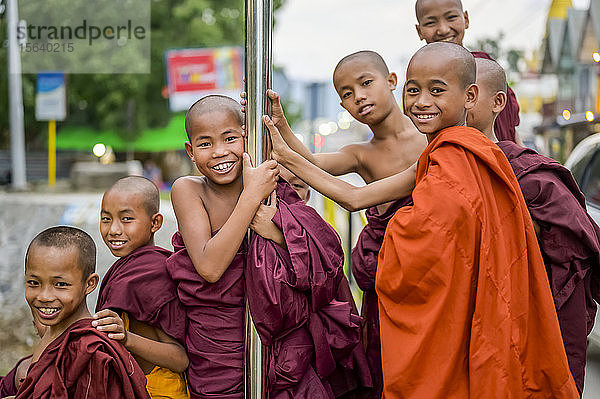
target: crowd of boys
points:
(479, 262)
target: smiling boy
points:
(213, 214)
(465, 305)
(446, 21)
(138, 303)
(73, 359)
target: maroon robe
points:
(84, 363)
(364, 269)
(215, 324)
(570, 244)
(7, 383)
(508, 119)
(302, 307)
(140, 285)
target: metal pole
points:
(51, 153)
(15, 95)
(259, 30)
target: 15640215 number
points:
(47, 47)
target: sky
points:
(312, 35)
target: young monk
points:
(446, 21)
(365, 87)
(73, 359)
(213, 214)
(138, 303)
(460, 272)
(460, 276)
(568, 237)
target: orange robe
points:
(464, 300)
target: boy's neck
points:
(393, 123)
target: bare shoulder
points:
(186, 186)
(356, 149)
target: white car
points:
(584, 164)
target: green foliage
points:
(492, 46)
(129, 103)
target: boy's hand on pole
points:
(259, 182)
(280, 150)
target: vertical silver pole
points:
(15, 95)
(259, 30)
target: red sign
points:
(193, 73)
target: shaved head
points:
(456, 57)
(368, 56)
(209, 104)
(491, 75)
(420, 4)
(139, 185)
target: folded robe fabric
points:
(301, 308)
(140, 285)
(508, 119)
(570, 244)
(215, 324)
(465, 305)
(364, 269)
(7, 383)
(84, 363)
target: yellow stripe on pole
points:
(51, 153)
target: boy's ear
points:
(91, 283)
(500, 100)
(418, 27)
(189, 150)
(466, 14)
(392, 80)
(472, 94)
(157, 221)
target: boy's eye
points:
(32, 283)
(429, 23)
(412, 90)
(127, 218)
(230, 139)
(452, 17)
(62, 284)
(367, 82)
(105, 219)
(346, 94)
(437, 90)
(204, 144)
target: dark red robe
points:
(140, 285)
(302, 307)
(508, 119)
(7, 383)
(364, 269)
(215, 324)
(84, 363)
(570, 244)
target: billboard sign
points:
(194, 73)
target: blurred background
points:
(84, 131)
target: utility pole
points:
(15, 95)
(259, 31)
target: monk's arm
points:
(165, 352)
(348, 196)
(263, 225)
(336, 163)
(212, 255)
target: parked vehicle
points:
(584, 164)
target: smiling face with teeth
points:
(55, 288)
(441, 21)
(125, 223)
(438, 92)
(216, 146)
